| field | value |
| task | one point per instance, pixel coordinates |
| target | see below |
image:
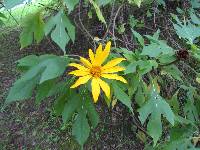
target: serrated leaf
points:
(73, 103)
(122, 96)
(156, 48)
(155, 107)
(139, 37)
(98, 11)
(59, 35)
(71, 4)
(81, 128)
(33, 29)
(186, 30)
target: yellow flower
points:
(94, 70)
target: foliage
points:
(142, 72)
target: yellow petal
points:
(85, 62)
(98, 51)
(113, 69)
(79, 73)
(91, 55)
(81, 80)
(105, 87)
(114, 76)
(103, 56)
(78, 66)
(113, 63)
(95, 89)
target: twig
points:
(114, 23)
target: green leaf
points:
(140, 95)
(43, 90)
(139, 37)
(156, 48)
(155, 106)
(73, 103)
(60, 104)
(173, 102)
(186, 30)
(137, 2)
(191, 111)
(80, 128)
(98, 11)
(173, 71)
(2, 15)
(22, 89)
(58, 24)
(37, 74)
(91, 111)
(33, 28)
(103, 2)
(27, 62)
(122, 96)
(180, 139)
(12, 3)
(71, 4)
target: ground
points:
(24, 125)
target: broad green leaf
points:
(12, 3)
(195, 3)
(22, 89)
(37, 74)
(122, 96)
(186, 30)
(134, 79)
(73, 103)
(157, 48)
(180, 139)
(173, 71)
(198, 80)
(155, 107)
(140, 95)
(60, 104)
(27, 62)
(191, 111)
(33, 28)
(131, 68)
(43, 90)
(58, 24)
(71, 4)
(139, 37)
(174, 103)
(80, 128)
(167, 58)
(195, 19)
(146, 66)
(92, 114)
(98, 11)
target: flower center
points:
(95, 71)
